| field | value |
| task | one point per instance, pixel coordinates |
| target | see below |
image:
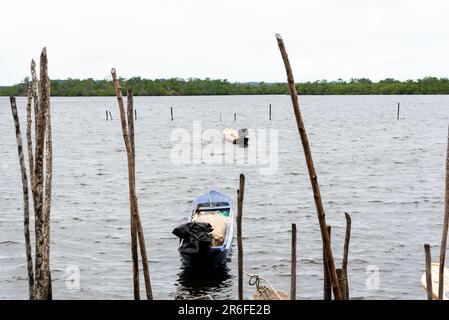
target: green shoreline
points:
(196, 87)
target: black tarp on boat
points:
(195, 235)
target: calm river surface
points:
(388, 174)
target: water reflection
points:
(199, 282)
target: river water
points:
(388, 174)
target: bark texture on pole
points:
(445, 229)
(48, 188)
(40, 226)
(132, 187)
(293, 264)
(26, 200)
(429, 288)
(311, 169)
(35, 89)
(240, 197)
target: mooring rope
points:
(254, 279)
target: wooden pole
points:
(110, 115)
(132, 187)
(342, 281)
(135, 114)
(133, 224)
(327, 287)
(445, 228)
(35, 88)
(41, 276)
(399, 106)
(312, 174)
(270, 111)
(428, 272)
(220, 117)
(107, 116)
(171, 113)
(293, 264)
(346, 253)
(235, 116)
(48, 189)
(26, 201)
(240, 197)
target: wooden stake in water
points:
(110, 115)
(171, 113)
(134, 208)
(133, 222)
(428, 272)
(270, 112)
(445, 228)
(135, 114)
(327, 287)
(240, 197)
(399, 106)
(293, 264)
(26, 201)
(346, 253)
(311, 169)
(235, 116)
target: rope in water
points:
(254, 279)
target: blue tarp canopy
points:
(213, 197)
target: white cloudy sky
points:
(227, 39)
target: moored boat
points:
(205, 240)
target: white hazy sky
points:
(228, 39)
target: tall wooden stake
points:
(445, 229)
(26, 201)
(41, 230)
(327, 287)
(399, 106)
(293, 264)
(312, 174)
(133, 224)
(240, 197)
(346, 253)
(132, 186)
(270, 112)
(171, 113)
(428, 272)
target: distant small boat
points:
(236, 137)
(435, 272)
(215, 209)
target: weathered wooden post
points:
(445, 228)
(134, 208)
(270, 112)
(346, 253)
(311, 169)
(135, 114)
(399, 106)
(235, 116)
(240, 197)
(327, 287)
(293, 264)
(428, 272)
(171, 113)
(110, 115)
(26, 207)
(133, 223)
(107, 115)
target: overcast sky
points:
(227, 39)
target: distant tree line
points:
(191, 86)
